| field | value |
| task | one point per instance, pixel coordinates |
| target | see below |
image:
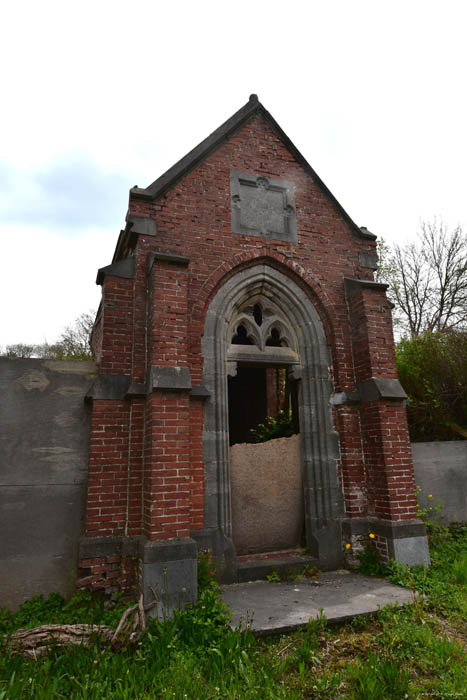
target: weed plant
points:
(370, 563)
(274, 427)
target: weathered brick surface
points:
(353, 475)
(117, 326)
(371, 333)
(166, 492)
(109, 575)
(108, 469)
(388, 459)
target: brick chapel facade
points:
(239, 257)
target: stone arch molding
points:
(264, 347)
(305, 351)
(272, 317)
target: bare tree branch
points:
(428, 280)
(73, 344)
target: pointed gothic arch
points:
(306, 355)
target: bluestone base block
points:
(405, 541)
(410, 550)
(325, 544)
(168, 574)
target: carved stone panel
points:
(263, 206)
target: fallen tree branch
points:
(39, 640)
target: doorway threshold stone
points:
(254, 567)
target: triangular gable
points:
(212, 142)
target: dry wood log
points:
(39, 640)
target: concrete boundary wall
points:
(44, 437)
(441, 471)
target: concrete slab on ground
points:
(282, 607)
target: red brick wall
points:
(117, 327)
(166, 490)
(135, 467)
(372, 337)
(388, 457)
(108, 469)
(168, 316)
(196, 464)
(353, 475)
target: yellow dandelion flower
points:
(371, 536)
(347, 546)
(430, 495)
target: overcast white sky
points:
(100, 96)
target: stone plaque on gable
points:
(263, 206)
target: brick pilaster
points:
(386, 445)
(167, 488)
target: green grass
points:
(81, 608)
(412, 652)
(459, 569)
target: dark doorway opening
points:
(255, 394)
(248, 404)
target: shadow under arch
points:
(323, 506)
